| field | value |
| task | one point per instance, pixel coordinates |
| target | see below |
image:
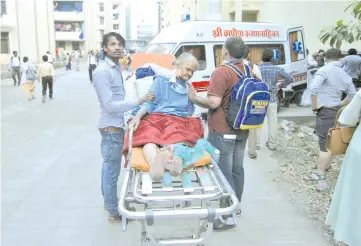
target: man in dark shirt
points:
(230, 143)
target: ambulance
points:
(206, 38)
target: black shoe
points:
(114, 219)
(218, 225)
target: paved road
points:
(51, 179)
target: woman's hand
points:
(134, 122)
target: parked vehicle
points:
(205, 40)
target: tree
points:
(344, 32)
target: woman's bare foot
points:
(175, 164)
(156, 170)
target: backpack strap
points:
(248, 71)
(235, 69)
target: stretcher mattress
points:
(140, 163)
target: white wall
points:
(32, 30)
(8, 24)
(27, 31)
(44, 26)
(312, 15)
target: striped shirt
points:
(271, 74)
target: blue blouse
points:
(171, 97)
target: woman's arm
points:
(156, 89)
(351, 114)
(148, 107)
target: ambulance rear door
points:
(297, 49)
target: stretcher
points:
(148, 202)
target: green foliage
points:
(344, 32)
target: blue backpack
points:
(249, 101)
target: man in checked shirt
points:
(270, 75)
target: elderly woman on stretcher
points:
(171, 138)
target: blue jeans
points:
(111, 149)
(232, 148)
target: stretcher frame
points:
(138, 189)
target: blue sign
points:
(187, 17)
(297, 47)
(276, 55)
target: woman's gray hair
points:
(185, 57)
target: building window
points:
(115, 16)
(75, 45)
(101, 33)
(75, 6)
(61, 26)
(101, 7)
(101, 20)
(198, 51)
(60, 44)
(116, 27)
(3, 8)
(249, 15)
(115, 6)
(5, 47)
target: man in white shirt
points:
(76, 60)
(311, 62)
(92, 63)
(50, 57)
(352, 65)
(14, 67)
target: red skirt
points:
(164, 129)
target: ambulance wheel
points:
(298, 98)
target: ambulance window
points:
(296, 46)
(198, 51)
(255, 53)
(257, 49)
(218, 57)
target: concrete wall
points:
(28, 29)
(30, 24)
(312, 15)
(32, 30)
(44, 25)
(8, 24)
